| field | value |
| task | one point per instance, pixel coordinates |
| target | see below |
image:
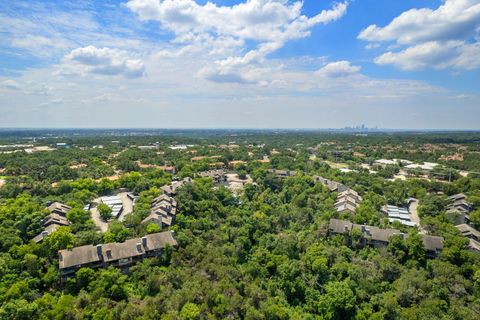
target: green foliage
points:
(104, 211)
(190, 311)
(153, 227)
(258, 254)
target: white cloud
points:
(338, 69)
(56, 101)
(11, 84)
(269, 24)
(439, 55)
(443, 38)
(261, 20)
(455, 19)
(103, 61)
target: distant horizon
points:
(342, 129)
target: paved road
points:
(414, 213)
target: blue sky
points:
(240, 64)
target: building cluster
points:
(391, 162)
(172, 188)
(121, 255)
(400, 214)
(472, 234)
(426, 166)
(282, 173)
(378, 237)
(347, 199)
(459, 209)
(57, 218)
(333, 186)
(218, 176)
(163, 211)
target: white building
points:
(115, 203)
(399, 214)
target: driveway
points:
(127, 205)
(102, 225)
(412, 208)
(127, 209)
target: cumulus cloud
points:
(267, 24)
(439, 55)
(262, 20)
(446, 37)
(103, 61)
(338, 69)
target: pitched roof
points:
(432, 243)
(59, 208)
(55, 218)
(458, 196)
(114, 251)
(340, 226)
(473, 245)
(46, 232)
(377, 234)
(468, 231)
(78, 256)
(152, 217)
(164, 197)
(346, 207)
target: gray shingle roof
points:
(88, 254)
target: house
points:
(164, 198)
(472, 234)
(347, 201)
(399, 214)
(172, 189)
(46, 232)
(456, 197)
(121, 255)
(337, 226)
(57, 218)
(458, 209)
(282, 173)
(333, 186)
(62, 145)
(218, 176)
(433, 245)
(235, 163)
(59, 208)
(468, 231)
(392, 162)
(378, 237)
(162, 211)
(371, 235)
(425, 167)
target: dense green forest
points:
(261, 253)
